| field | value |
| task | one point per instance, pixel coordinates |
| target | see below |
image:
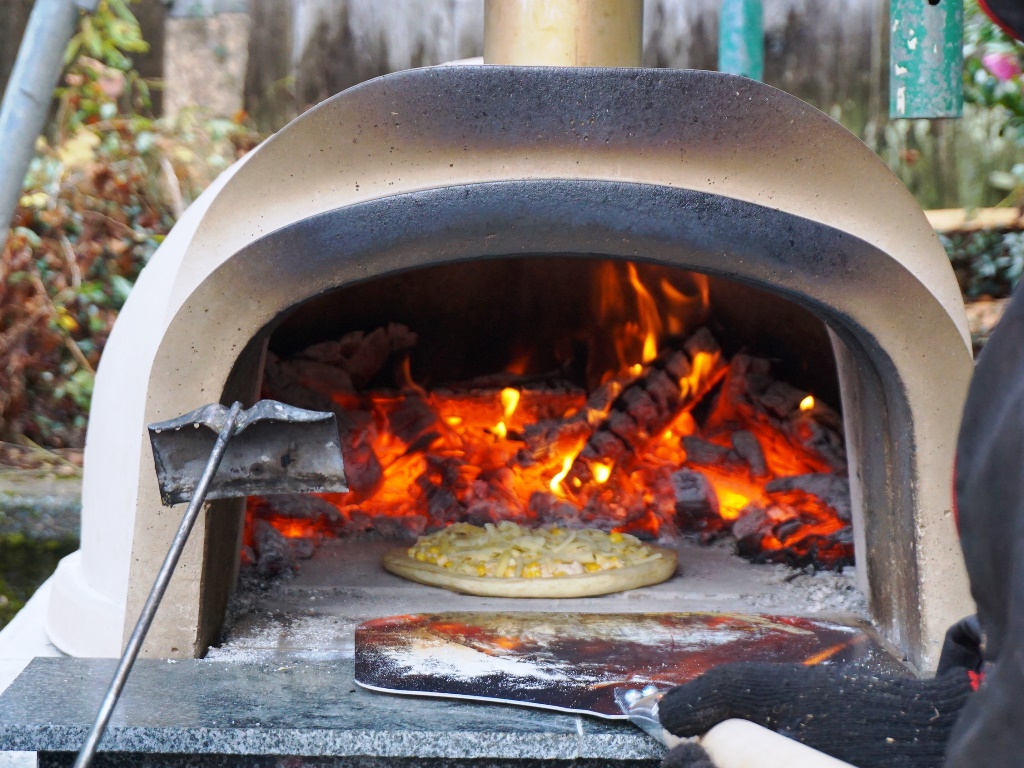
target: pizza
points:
(508, 560)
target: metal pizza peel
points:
(587, 663)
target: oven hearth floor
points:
(313, 615)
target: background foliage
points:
(992, 81)
(110, 181)
(107, 185)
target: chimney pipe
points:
(564, 33)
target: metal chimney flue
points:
(564, 33)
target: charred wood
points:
(823, 441)
(299, 507)
(696, 500)
(360, 356)
(704, 453)
(362, 467)
(321, 378)
(832, 490)
(549, 510)
(412, 419)
(271, 550)
(441, 485)
(753, 523)
(492, 498)
(749, 449)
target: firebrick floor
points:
(315, 613)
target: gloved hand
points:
(869, 721)
(687, 755)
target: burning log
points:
(672, 383)
(551, 438)
(750, 396)
(794, 535)
(823, 441)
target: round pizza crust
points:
(583, 585)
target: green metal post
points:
(926, 58)
(741, 38)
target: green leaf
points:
(71, 52)
(91, 38)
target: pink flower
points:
(1004, 66)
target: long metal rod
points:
(156, 594)
(29, 94)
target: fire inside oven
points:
(564, 393)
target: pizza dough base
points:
(398, 562)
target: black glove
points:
(866, 720)
(689, 755)
(962, 647)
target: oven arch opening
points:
(834, 275)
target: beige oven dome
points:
(689, 146)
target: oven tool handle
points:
(731, 743)
(156, 594)
(274, 448)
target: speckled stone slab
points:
(206, 713)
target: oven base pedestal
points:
(286, 712)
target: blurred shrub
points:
(987, 262)
(104, 189)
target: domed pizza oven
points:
(466, 263)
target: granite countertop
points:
(286, 707)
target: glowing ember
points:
(763, 460)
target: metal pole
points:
(926, 42)
(564, 33)
(156, 594)
(29, 94)
(741, 38)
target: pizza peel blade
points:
(578, 663)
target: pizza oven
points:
(467, 232)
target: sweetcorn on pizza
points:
(508, 560)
